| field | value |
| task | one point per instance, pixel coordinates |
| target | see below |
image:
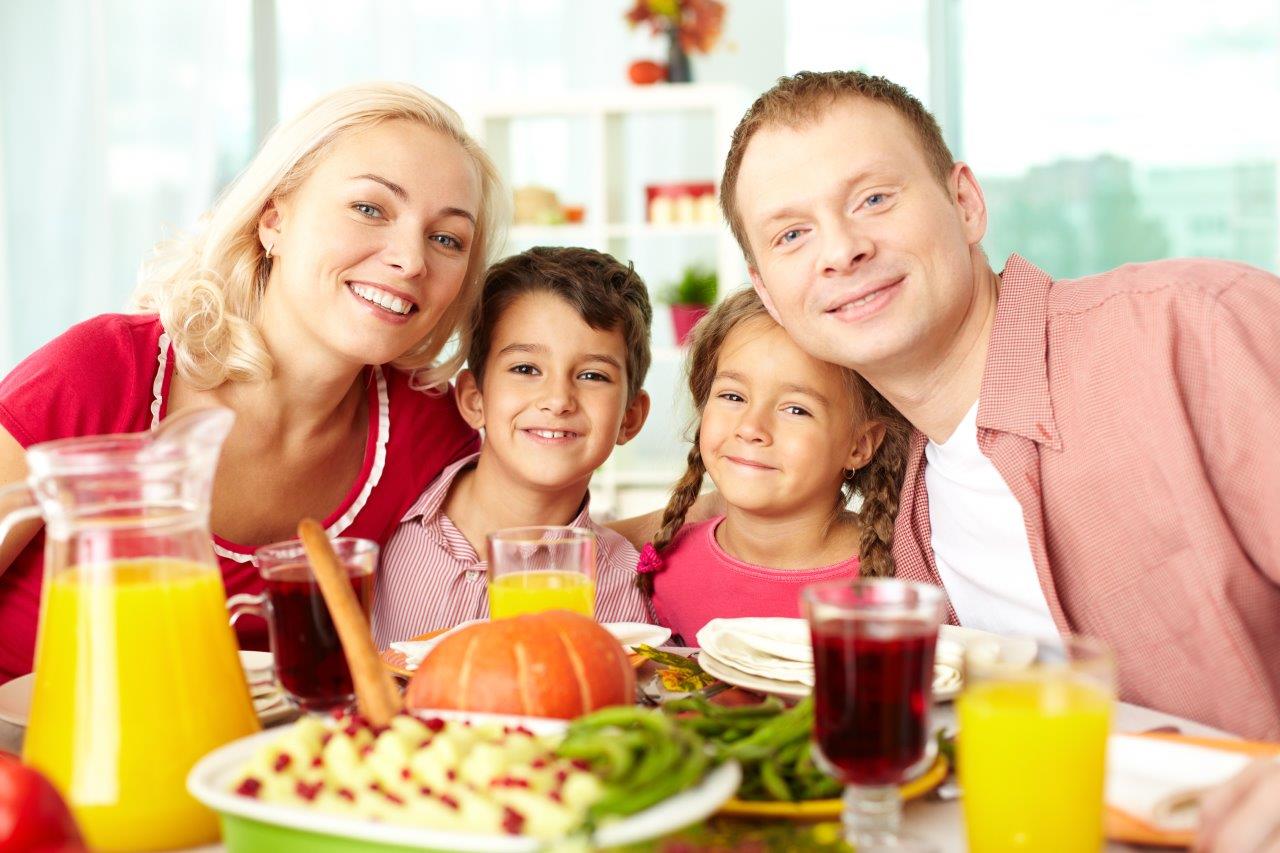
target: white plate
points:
(629, 634)
(730, 675)
(212, 776)
(632, 634)
(15, 695)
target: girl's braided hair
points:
(879, 481)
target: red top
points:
(699, 581)
(112, 374)
(1133, 415)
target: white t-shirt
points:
(980, 540)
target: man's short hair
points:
(804, 99)
(605, 293)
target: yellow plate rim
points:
(824, 809)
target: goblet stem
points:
(872, 816)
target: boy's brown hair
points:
(879, 481)
(606, 294)
(795, 102)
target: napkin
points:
(627, 633)
(1159, 782)
(769, 647)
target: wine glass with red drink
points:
(873, 645)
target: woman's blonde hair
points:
(207, 286)
(879, 481)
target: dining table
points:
(936, 817)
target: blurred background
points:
(1102, 131)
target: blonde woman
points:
(315, 301)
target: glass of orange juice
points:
(1032, 746)
(532, 569)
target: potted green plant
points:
(690, 297)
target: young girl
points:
(787, 440)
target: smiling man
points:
(1091, 456)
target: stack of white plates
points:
(268, 699)
(774, 655)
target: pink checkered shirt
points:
(1134, 415)
(430, 576)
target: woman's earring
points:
(270, 246)
(848, 473)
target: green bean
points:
(771, 778)
(767, 708)
(612, 757)
(659, 757)
(631, 800)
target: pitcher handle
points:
(255, 605)
(25, 508)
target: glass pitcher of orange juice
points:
(136, 670)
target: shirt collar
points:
(1015, 383)
(430, 503)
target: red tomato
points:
(644, 71)
(33, 816)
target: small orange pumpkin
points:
(552, 664)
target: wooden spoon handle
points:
(376, 695)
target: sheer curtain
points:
(119, 122)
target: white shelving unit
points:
(600, 149)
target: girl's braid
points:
(683, 495)
(880, 484)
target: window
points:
(1132, 134)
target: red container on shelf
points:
(688, 203)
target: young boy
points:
(559, 352)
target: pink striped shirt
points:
(1133, 415)
(431, 577)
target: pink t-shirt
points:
(112, 374)
(699, 582)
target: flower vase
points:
(678, 68)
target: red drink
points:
(871, 698)
(308, 654)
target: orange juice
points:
(137, 677)
(1032, 758)
(518, 593)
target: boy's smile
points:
(554, 401)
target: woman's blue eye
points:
(448, 241)
(874, 199)
(368, 210)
